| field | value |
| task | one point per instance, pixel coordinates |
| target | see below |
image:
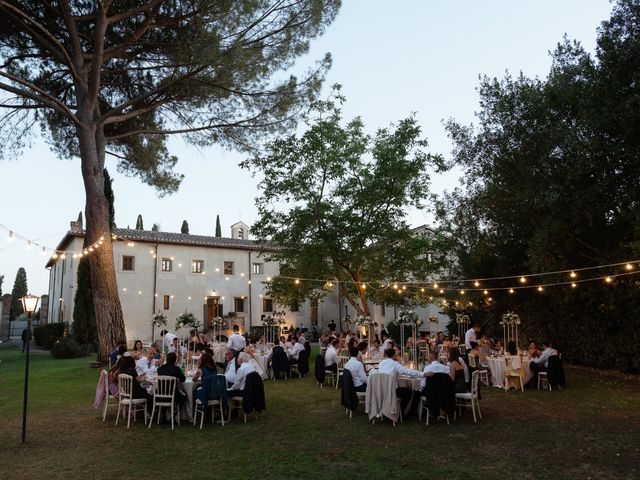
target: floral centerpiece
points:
(510, 318)
(269, 321)
(159, 320)
(187, 320)
(363, 320)
(218, 322)
(407, 316)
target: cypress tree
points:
(19, 290)
(185, 227)
(139, 224)
(155, 228)
(79, 221)
(218, 228)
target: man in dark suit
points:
(25, 338)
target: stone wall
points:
(5, 309)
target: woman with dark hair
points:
(512, 349)
(362, 350)
(137, 345)
(457, 372)
(206, 367)
(127, 366)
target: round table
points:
(498, 365)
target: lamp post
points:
(29, 304)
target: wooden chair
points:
(513, 373)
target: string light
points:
(628, 266)
(476, 283)
(297, 281)
(523, 280)
(511, 290)
(574, 284)
(540, 289)
(608, 279)
(573, 274)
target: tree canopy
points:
(335, 200)
(19, 290)
(551, 182)
(116, 78)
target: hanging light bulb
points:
(608, 279)
(297, 281)
(442, 290)
(363, 286)
(395, 286)
(573, 274)
(476, 283)
(422, 290)
(574, 284)
(523, 280)
(10, 237)
(540, 289)
(486, 292)
(435, 285)
(63, 256)
(511, 290)
(461, 292)
(628, 266)
(29, 245)
(43, 253)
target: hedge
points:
(47, 335)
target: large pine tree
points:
(84, 317)
(20, 289)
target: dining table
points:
(498, 365)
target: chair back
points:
(348, 397)
(105, 378)
(341, 360)
(164, 388)
(472, 361)
(253, 394)
(319, 370)
(474, 382)
(303, 361)
(125, 386)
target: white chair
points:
(164, 390)
(341, 361)
(422, 406)
(107, 395)
(543, 381)
(513, 372)
(384, 384)
(235, 403)
(332, 376)
(126, 400)
(482, 374)
(470, 398)
(200, 410)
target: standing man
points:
(471, 336)
(168, 339)
(332, 326)
(236, 341)
(25, 338)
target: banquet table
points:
(189, 387)
(404, 381)
(497, 365)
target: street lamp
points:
(29, 305)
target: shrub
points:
(47, 335)
(69, 348)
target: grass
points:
(589, 430)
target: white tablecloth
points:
(218, 353)
(497, 365)
(409, 382)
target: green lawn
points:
(589, 430)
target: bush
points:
(47, 335)
(69, 348)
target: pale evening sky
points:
(392, 58)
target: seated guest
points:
(208, 350)
(512, 349)
(352, 343)
(206, 367)
(498, 347)
(241, 375)
(458, 372)
(137, 346)
(128, 367)
(178, 349)
(439, 338)
(436, 365)
(480, 359)
(295, 348)
(146, 364)
(362, 350)
(534, 351)
(376, 349)
(422, 340)
(261, 344)
(331, 357)
(170, 369)
(117, 352)
(230, 366)
(386, 342)
(391, 366)
(283, 342)
(541, 363)
(236, 341)
(357, 371)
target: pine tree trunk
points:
(106, 302)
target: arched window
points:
(241, 233)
